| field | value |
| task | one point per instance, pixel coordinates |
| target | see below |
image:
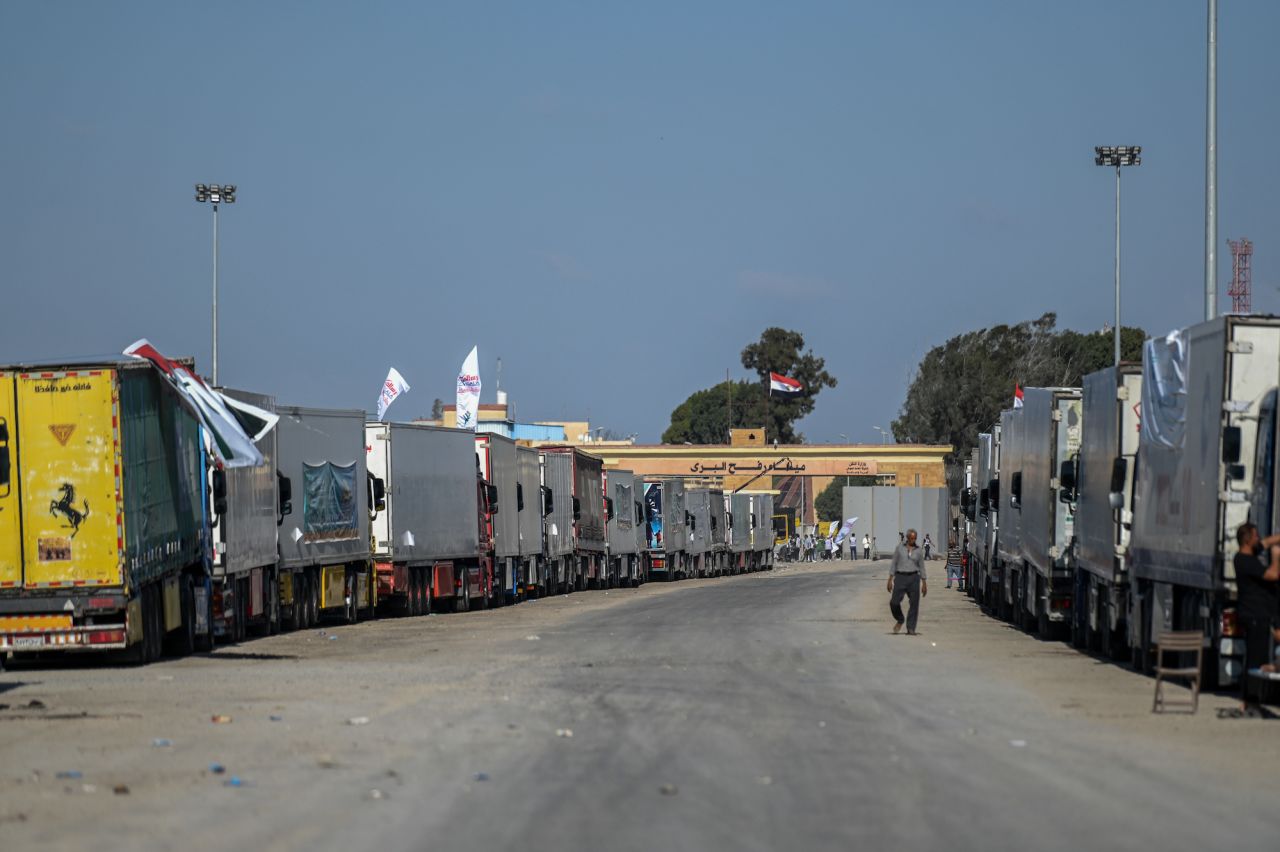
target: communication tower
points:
(1241, 276)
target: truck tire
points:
(273, 604)
(352, 613)
(462, 597)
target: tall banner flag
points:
(781, 384)
(391, 390)
(231, 426)
(469, 391)
(845, 529)
(1017, 395)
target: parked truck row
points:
(1107, 514)
(121, 529)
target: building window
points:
(917, 480)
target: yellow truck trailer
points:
(104, 538)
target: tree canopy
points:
(707, 415)
(961, 387)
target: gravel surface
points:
(766, 711)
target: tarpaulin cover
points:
(1164, 390)
(329, 504)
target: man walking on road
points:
(907, 579)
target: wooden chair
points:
(1178, 642)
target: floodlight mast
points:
(1116, 156)
(215, 194)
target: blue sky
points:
(614, 198)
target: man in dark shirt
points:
(1256, 602)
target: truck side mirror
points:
(690, 521)
(1119, 474)
(1067, 480)
(1231, 438)
(377, 494)
(608, 508)
(577, 509)
(964, 499)
(984, 502)
(219, 491)
(993, 493)
(284, 487)
(519, 496)
(1015, 489)
(639, 512)
(753, 520)
(548, 501)
(491, 496)
(731, 520)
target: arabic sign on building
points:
(750, 466)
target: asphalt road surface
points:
(770, 711)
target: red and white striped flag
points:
(783, 385)
(1017, 395)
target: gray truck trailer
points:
(586, 532)
(1008, 552)
(325, 566)
(1206, 463)
(529, 506)
(499, 466)
(665, 527)
(699, 547)
(1044, 578)
(738, 532)
(625, 546)
(1103, 491)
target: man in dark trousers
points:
(907, 578)
(1257, 567)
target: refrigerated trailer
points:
(665, 527)
(104, 535)
(584, 563)
(500, 468)
(738, 533)
(1008, 487)
(429, 542)
(1103, 491)
(1044, 578)
(625, 515)
(719, 533)
(529, 510)
(762, 540)
(245, 587)
(1206, 463)
(325, 566)
(557, 574)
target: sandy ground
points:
(749, 712)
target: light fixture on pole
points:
(884, 434)
(1116, 156)
(215, 194)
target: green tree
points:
(437, 408)
(781, 351)
(961, 387)
(704, 418)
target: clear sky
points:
(614, 197)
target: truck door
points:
(10, 521)
(73, 531)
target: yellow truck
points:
(104, 531)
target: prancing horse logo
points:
(66, 507)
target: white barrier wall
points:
(885, 511)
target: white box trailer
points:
(427, 537)
(1008, 551)
(245, 591)
(325, 561)
(1045, 575)
(762, 531)
(529, 508)
(1205, 465)
(557, 500)
(1108, 448)
(987, 518)
(719, 532)
(739, 530)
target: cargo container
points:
(325, 566)
(699, 546)
(586, 559)
(104, 535)
(738, 537)
(558, 574)
(1108, 449)
(719, 533)
(986, 521)
(245, 589)
(429, 535)
(529, 506)
(1205, 465)
(623, 510)
(499, 467)
(762, 541)
(1045, 575)
(665, 527)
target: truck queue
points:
(122, 531)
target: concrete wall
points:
(886, 511)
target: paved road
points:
(761, 712)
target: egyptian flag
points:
(782, 385)
(1017, 395)
(233, 426)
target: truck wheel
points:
(462, 598)
(152, 619)
(349, 589)
(412, 601)
(273, 604)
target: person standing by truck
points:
(866, 545)
(953, 563)
(907, 578)
(1256, 604)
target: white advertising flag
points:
(391, 390)
(469, 391)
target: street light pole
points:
(1211, 170)
(215, 194)
(1117, 156)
